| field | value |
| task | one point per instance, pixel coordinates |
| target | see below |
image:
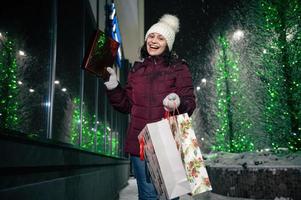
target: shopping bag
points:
(100, 55)
(191, 155)
(163, 160)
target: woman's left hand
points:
(171, 102)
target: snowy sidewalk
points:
(130, 192)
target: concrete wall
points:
(256, 182)
(36, 169)
(130, 15)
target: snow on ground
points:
(252, 159)
(265, 158)
(213, 196)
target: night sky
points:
(196, 17)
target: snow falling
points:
(249, 97)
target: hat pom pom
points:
(171, 20)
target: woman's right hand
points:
(112, 83)
(171, 102)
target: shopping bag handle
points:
(166, 115)
(141, 146)
(175, 111)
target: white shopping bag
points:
(164, 160)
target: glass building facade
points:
(44, 93)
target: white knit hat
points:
(167, 26)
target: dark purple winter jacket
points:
(148, 83)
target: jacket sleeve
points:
(185, 89)
(120, 98)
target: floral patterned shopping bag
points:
(192, 158)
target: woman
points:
(160, 83)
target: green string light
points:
(75, 123)
(100, 134)
(282, 73)
(275, 43)
(231, 135)
(9, 89)
(92, 128)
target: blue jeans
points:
(146, 190)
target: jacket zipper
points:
(150, 89)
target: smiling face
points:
(155, 44)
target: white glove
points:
(171, 102)
(112, 83)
